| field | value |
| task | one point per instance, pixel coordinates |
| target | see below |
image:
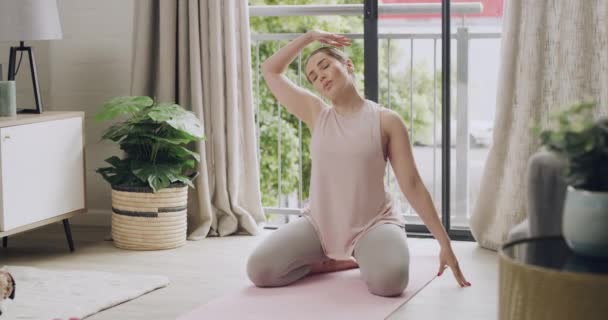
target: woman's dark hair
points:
(330, 51)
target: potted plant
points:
(150, 182)
(583, 142)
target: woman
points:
(350, 221)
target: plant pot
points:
(143, 220)
(585, 222)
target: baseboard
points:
(93, 218)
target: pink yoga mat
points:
(335, 296)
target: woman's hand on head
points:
(331, 39)
(448, 259)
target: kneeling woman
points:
(350, 221)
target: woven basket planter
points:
(143, 220)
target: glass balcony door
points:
(401, 54)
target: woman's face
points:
(328, 75)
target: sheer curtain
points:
(554, 53)
(197, 53)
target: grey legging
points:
(286, 255)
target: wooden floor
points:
(203, 270)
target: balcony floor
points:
(203, 270)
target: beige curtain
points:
(197, 53)
(554, 53)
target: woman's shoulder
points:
(384, 112)
(377, 106)
(389, 119)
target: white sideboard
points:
(42, 172)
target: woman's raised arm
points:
(298, 101)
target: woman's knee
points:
(389, 280)
(260, 269)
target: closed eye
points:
(322, 68)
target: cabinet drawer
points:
(41, 171)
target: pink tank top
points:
(347, 196)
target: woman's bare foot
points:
(333, 266)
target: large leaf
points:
(138, 133)
(111, 175)
(141, 148)
(158, 176)
(179, 134)
(181, 152)
(185, 180)
(117, 131)
(188, 164)
(123, 105)
(137, 151)
(117, 162)
(177, 117)
(119, 173)
(169, 140)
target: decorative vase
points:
(8, 98)
(585, 222)
(144, 220)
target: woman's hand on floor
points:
(333, 266)
(448, 259)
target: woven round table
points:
(541, 278)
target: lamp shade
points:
(24, 20)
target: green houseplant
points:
(149, 183)
(583, 142)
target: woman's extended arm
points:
(404, 167)
(298, 101)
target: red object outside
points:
(491, 9)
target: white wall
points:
(91, 64)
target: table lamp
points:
(25, 20)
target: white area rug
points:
(49, 294)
